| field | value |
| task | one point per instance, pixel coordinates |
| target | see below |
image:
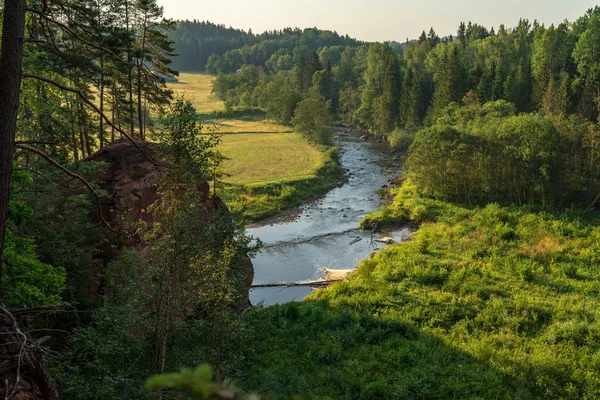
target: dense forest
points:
(120, 265)
(532, 86)
(93, 266)
(205, 46)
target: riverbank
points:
(322, 234)
(266, 168)
(493, 302)
(259, 201)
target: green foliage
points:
(182, 143)
(224, 49)
(553, 70)
(27, 281)
(106, 358)
(463, 310)
(197, 382)
(311, 118)
(479, 154)
(380, 96)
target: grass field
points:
(198, 89)
(269, 168)
(271, 172)
(482, 303)
(242, 126)
(256, 159)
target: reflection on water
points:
(320, 238)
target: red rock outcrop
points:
(131, 183)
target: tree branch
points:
(75, 35)
(75, 176)
(96, 109)
(35, 310)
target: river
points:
(320, 237)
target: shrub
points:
(401, 139)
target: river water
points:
(320, 237)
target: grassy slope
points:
(262, 199)
(482, 303)
(270, 169)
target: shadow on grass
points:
(244, 114)
(313, 350)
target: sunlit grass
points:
(262, 158)
(268, 168)
(489, 302)
(241, 126)
(197, 88)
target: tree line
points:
(205, 46)
(392, 91)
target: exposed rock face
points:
(131, 182)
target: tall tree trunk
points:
(146, 115)
(112, 133)
(73, 133)
(129, 73)
(140, 69)
(84, 130)
(11, 63)
(101, 133)
(31, 368)
(139, 101)
(81, 142)
(130, 83)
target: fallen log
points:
(321, 282)
(331, 276)
(358, 239)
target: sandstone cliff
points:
(131, 183)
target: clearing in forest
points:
(197, 88)
(268, 168)
(256, 159)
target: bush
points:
(401, 139)
(312, 119)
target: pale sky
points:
(374, 20)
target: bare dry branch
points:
(75, 176)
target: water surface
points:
(320, 238)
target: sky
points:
(374, 20)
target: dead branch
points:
(35, 310)
(23, 356)
(295, 284)
(34, 142)
(75, 176)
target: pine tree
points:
(462, 33)
(301, 68)
(497, 92)
(153, 51)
